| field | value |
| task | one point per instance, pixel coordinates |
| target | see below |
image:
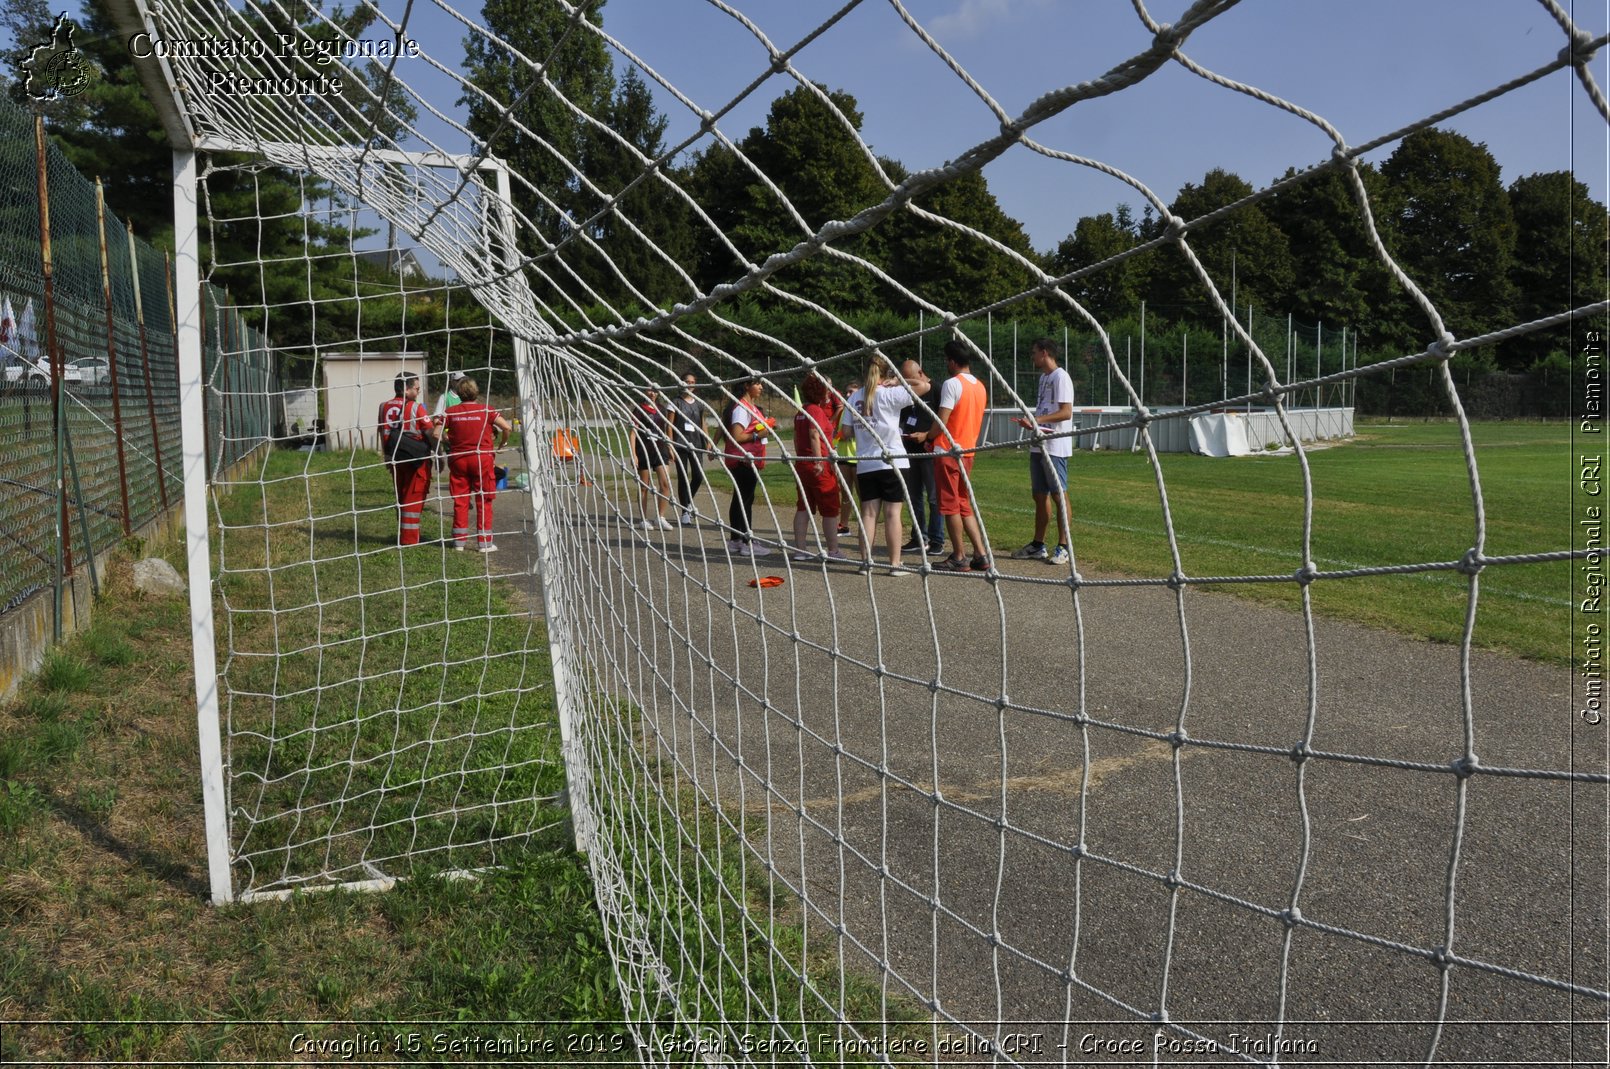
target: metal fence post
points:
(145, 364)
(111, 358)
(206, 379)
(64, 549)
(227, 423)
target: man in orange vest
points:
(961, 416)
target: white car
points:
(92, 371)
(20, 369)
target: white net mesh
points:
(1030, 813)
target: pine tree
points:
(528, 115)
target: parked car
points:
(20, 369)
(92, 370)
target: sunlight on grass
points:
(1398, 494)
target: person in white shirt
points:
(874, 411)
(1048, 457)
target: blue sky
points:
(1369, 66)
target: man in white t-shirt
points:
(1048, 456)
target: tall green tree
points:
(265, 243)
(648, 224)
(1448, 222)
(810, 151)
(1116, 291)
(1338, 278)
(110, 130)
(953, 269)
(1244, 252)
(528, 113)
(1559, 264)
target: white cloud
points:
(973, 17)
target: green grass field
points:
(1397, 494)
(104, 924)
(109, 950)
(385, 704)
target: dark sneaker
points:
(1032, 551)
(913, 547)
(952, 564)
(981, 564)
(936, 549)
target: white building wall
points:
(355, 386)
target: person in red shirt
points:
(813, 470)
(651, 448)
(471, 428)
(404, 417)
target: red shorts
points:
(953, 500)
(818, 492)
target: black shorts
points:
(885, 484)
(650, 455)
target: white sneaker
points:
(666, 525)
(802, 555)
(687, 517)
(648, 525)
(899, 571)
(759, 551)
(738, 547)
(461, 546)
(488, 547)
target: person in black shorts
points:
(651, 448)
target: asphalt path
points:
(1019, 847)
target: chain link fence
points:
(89, 403)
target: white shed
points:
(355, 386)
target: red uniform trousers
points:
(413, 482)
(818, 488)
(470, 477)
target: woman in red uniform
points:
(470, 427)
(818, 483)
(404, 417)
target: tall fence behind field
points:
(100, 459)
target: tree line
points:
(1487, 255)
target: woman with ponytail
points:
(874, 411)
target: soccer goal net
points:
(1184, 762)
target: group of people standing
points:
(409, 439)
(880, 441)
